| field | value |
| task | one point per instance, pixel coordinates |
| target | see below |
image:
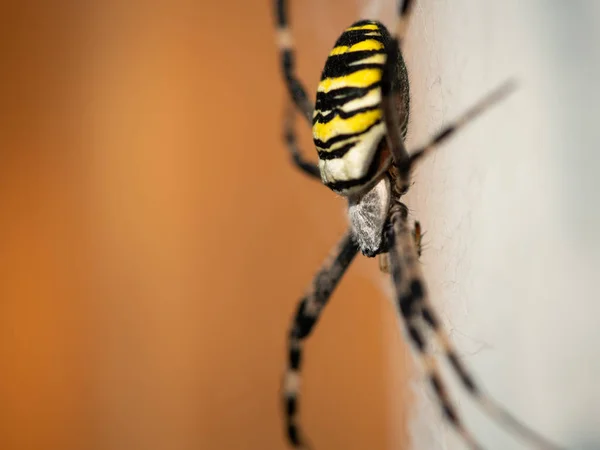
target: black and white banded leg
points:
(488, 404)
(309, 168)
(417, 234)
(296, 91)
(417, 310)
(472, 113)
(306, 317)
(286, 47)
(410, 291)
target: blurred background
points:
(154, 239)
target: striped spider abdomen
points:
(348, 126)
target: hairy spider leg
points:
(469, 115)
(307, 314)
(410, 290)
(487, 403)
(309, 168)
(286, 48)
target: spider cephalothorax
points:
(359, 123)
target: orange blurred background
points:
(154, 239)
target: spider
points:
(359, 123)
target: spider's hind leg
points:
(306, 317)
(417, 311)
(410, 290)
(487, 403)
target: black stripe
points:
(352, 37)
(416, 338)
(342, 70)
(464, 377)
(406, 302)
(287, 61)
(360, 23)
(444, 134)
(373, 168)
(281, 9)
(294, 359)
(295, 88)
(437, 385)
(337, 153)
(338, 97)
(353, 57)
(404, 7)
(326, 118)
(430, 319)
(450, 414)
(303, 322)
(416, 289)
(349, 62)
(348, 253)
(342, 137)
(292, 433)
(291, 405)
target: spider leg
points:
(448, 131)
(392, 92)
(410, 291)
(417, 235)
(286, 47)
(415, 300)
(384, 258)
(295, 89)
(488, 404)
(307, 314)
(309, 168)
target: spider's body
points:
(348, 127)
(349, 130)
(359, 124)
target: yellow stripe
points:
(360, 78)
(355, 124)
(369, 26)
(367, 44)
(375, 59)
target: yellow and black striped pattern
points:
(348, 125)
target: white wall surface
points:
(511, 209)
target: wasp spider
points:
(359, 123)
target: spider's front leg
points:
(306, 317)
(309, 168)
